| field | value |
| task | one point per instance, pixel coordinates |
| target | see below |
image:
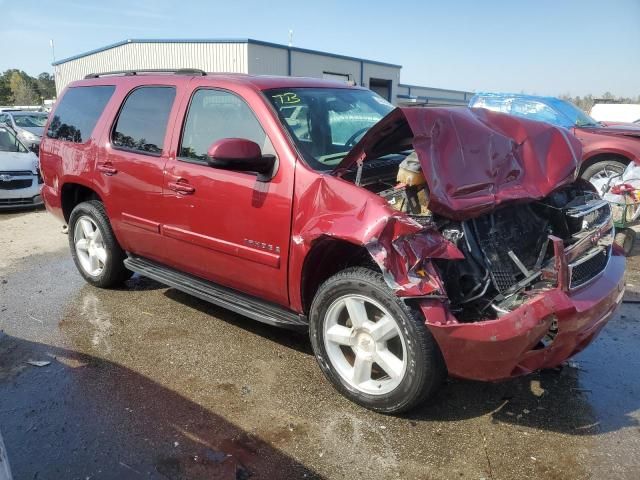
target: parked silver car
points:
(20, 178)
(28, 126)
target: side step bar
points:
(228, 298)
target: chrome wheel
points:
(364, 344)
(89, 246)
(606, 173)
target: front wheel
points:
(94, 248)
(373, 348)
(602, 171)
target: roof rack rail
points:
(126, 73)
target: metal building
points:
(249, 56)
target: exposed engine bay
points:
(510, 253)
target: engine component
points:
(410, 172)
(510, 239)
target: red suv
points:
(410, 243)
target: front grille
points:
(16, 184)
(21, 173)
(15, 202)
(584, 270)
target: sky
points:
(541, 47)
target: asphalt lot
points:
(146, 382)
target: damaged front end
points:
(508, 256)
(562, 241)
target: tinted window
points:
(142, 122)
(77, 114)
(213, 115)
(327, 122)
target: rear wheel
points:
(373, 348)
(94, 248)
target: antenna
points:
(290, 38)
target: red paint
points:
(254, 236)
(503, 348)
(620, 139)
(475, 159)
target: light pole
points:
(53, 60)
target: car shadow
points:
(80, 416)
(289, 338)
(559, 400)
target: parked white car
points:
(20, 179)
(616, 112)
(28, 126)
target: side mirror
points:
(241, 155)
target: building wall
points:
(264, 60)
(210, 57)
(249, 56)
(429, 95)
(268, 60)
(382, 72)
(311, 65)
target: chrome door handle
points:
(107, 169)
(181, 187)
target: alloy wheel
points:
(364, 344)
(89, 246)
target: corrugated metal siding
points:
(384, 73)
(210, 57)
(263, 60)
(310, 65)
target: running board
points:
(228, 298)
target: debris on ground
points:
(38, 363)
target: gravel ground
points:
(146, 382)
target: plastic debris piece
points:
(38, 363)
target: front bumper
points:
(12, 197)
(511, 345)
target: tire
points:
(91, 239)
(601, 167)
(339, 299)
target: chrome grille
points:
(588, 267)
(20, 173)
(597, 230)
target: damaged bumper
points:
(541, 333)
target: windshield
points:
(28, 121)
(575, 115)
(9, 142)
(326, 123)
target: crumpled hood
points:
(17, 162)
(629, 130)
(474, 159)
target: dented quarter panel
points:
(327, 206)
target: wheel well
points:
(602, 157)
(72, 194)
(327, 257)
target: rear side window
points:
(214, 115)
(77, 114)
(142, 122)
